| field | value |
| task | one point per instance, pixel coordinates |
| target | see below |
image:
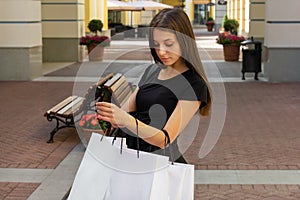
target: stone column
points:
(257, 24)
(220, 11)
(20, 41)
(257, 18)
(62, 25)
(282, 40)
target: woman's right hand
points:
(113, 114)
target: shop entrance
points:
(201, 13)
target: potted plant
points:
(210, 24)
(231, 25)
(231, 45)
(95, 43)
(95, 25)
(227, 38)
(225, 18)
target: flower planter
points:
(95, 52)
(231, 52)
(210, 27)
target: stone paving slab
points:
(247, 177)
(26, 175)
(247, 192)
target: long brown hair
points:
(177, 21)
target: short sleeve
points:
(149, 71)
(197, 91)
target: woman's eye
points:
(155, 44)
(169, 45)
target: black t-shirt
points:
(157, 99)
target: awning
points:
(149, 5)
(122, 6)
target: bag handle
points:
(115, 133)
(137, 138)
(113, 141)
(167, 142)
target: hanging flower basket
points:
(231, 52)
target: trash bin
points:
(251, 57)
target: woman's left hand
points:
(113, 114)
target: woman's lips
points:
(164, 59)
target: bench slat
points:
(121, 88)
(125, 99)
(121, 97)
(75, 107)
(111, 81)
(59, 106)
(103, 80)
(118, 83)
(69, 107)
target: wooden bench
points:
(112, 88)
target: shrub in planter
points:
(231, 25)
(95, 25)
(225, 18)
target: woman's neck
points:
(171, 71)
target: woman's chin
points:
(167, 63)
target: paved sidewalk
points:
(256, 157)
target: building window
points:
(114, 16)
(201, 13)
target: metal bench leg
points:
(54, 130)
(67, 123)
(52, 135)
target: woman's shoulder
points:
(149, 73)
(151, 69)
(193, 77)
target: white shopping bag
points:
(181, 181)
(105, 173)
(178, 179)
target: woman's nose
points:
(162, 51)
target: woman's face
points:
(166, 46)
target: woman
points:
(170, 92)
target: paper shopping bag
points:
(105, 173)
(181, 181)
(178, 180)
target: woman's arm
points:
(180, 117)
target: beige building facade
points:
(37, 31)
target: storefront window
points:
(201, 13)
(114, 16)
